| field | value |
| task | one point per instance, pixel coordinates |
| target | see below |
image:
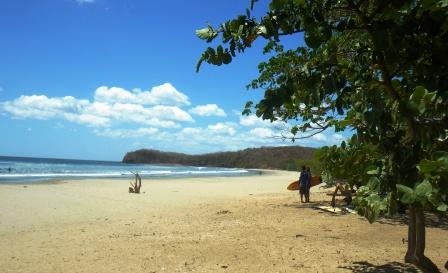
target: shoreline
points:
(208, 224)
(68, 178)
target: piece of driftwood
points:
(135, 187)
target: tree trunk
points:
(410, 254)
(417, 241)
(420, 232)
(424, 263)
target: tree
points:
(376, 67)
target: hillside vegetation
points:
(285, 158)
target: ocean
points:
(31, 170)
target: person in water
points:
(303, 184)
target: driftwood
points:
(135, 187)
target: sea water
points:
(30, 170)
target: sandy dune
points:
(240, 224)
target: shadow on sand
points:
(298, 205)
(431, 220)
(385, 268)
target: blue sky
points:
(93, 79)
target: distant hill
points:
(286, 158)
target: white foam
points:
(212, 172)
(60, 175)
(117, 174)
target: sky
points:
(94, 79)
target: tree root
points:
(423, 263)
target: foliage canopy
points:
(376, 67)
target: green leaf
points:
(430, 97)
(311, 39)
(408, 195)
(345, 122)
(380, 39)
(315, 35)
(198, 64)
(416, 100)
(203, 33)
(423, 189)
(419, 93)
(207, 33)
(219, 50)
(435, 199)
(423, 192)
(442, 157)
(442, 207)
(294, 130)
(247, 108)
(374, 183)
(227, 58)
(427, 166)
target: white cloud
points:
(127, 133)
(191, 131)
(337, 137)
(85, 1)
(320, 137)
(114, 94)
(223, 128)
(42, 107)
(170, 112)
(87, 119)
(208, 110)
(254, 121)
(165, 94)
(107, 108)
(236, 112)
(159, 115)
(131, 113)
(262, 132)
(155, 115)
(223, 136)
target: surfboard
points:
(316, 180)
(294, 186)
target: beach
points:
(207, 224)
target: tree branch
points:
(385, 73)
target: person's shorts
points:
(303, 190)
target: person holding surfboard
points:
(304, 180)
(307, 196)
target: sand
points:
(238, 224)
